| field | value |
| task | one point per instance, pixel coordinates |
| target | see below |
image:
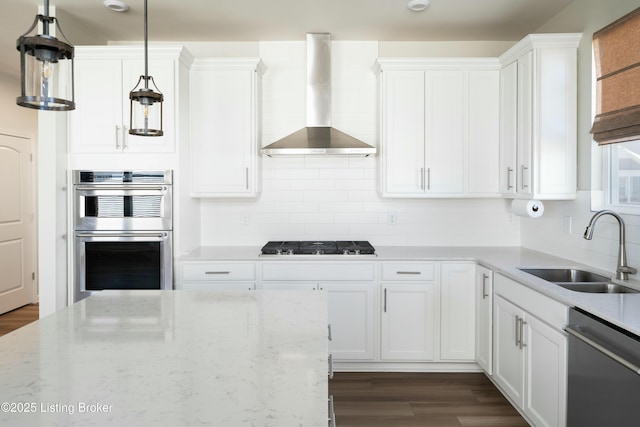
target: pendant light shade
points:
(46, 68)
(145, 117)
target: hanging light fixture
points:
(145, 117)
(46, 68)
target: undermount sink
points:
(598, 288)
(565, 275)
(579, 280)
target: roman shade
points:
(617, 56)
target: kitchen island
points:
(171, 358)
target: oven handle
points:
(120, 187)
(624, 362)
(159, 235)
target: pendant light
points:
(145, 117)
(46, 68)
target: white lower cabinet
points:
(457, 312)
(352, 301)
(484, 318)
(408, 321)
(530, 353)
(409, 311)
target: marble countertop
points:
(622, 310)
(180, 358)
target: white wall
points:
(546, 234)
(13, 117)
(335, 197)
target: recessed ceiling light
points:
(116, 5)
(418, 5)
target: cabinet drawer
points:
(218, 271)
(409, 271)
(317, 271)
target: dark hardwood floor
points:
(385, 399)
(17, 318)
(420, 399)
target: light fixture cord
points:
(45, 22)
(146, 55)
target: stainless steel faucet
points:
(623, 270)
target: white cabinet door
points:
(96, 126)
(457, 311)
(484, 318)
(483, 135)
(546, 373)
(525, 124)
(408, 321)
(403, 130)
(224, 129)
(444, 132)
(508, 127)
(508, 357)
(352, 316)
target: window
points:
(622, 176)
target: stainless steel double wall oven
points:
(122, 230)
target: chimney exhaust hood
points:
(318, 137)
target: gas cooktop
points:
(318, 248)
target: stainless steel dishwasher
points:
(604, 373)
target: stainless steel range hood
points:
(318, 137)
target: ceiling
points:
(255, 20)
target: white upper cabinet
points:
(225, 127)
(104, 76)
(439, 127)
(538, 107)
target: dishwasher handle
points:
(621, 360)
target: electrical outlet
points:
(566, 224)
(392, 218)
(245, 219)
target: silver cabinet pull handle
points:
(332, 413)
(246, 178)
(408, 272)
(216, 272)
(624, 362)
(484, 286)
(329, 328)
(125, 137)
(385, 300)
(428, 178)
(422, 178)
(518, 330)
(509, 172)
(522, 343)
(330, 366)
(117, 137)
(524, 169)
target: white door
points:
(222, 131)
(403, 132)
(484, 316)
(508, 356)
(96, 125)
(16, 223)
(457, 311)
(444, 132)
(352, 316)
(408, 321)
(546, 373)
